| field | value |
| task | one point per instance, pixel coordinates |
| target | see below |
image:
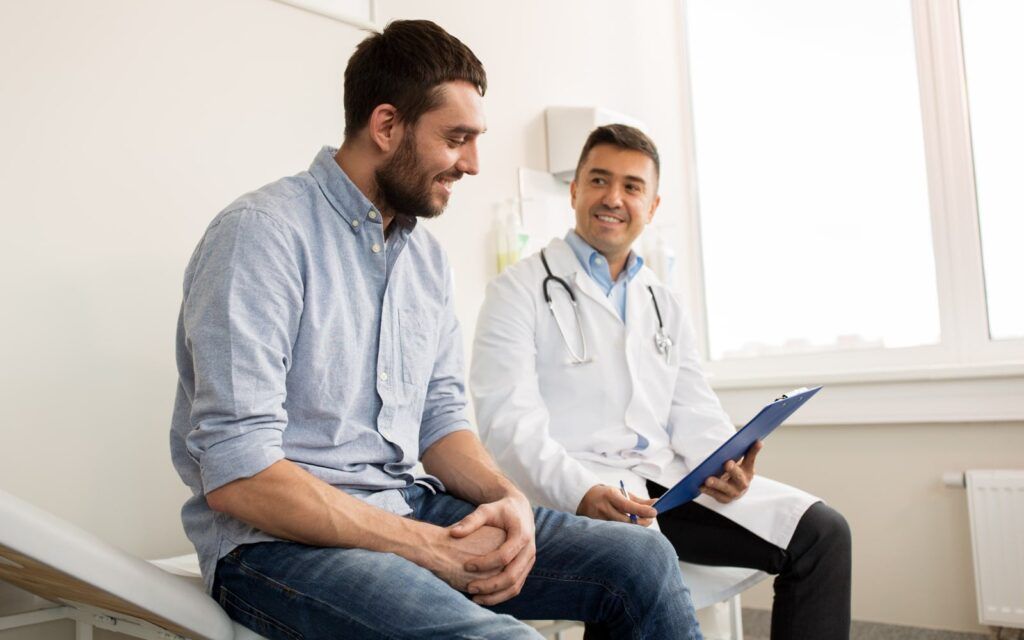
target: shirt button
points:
(383, 376)
(375, 248)
(598, 260)
(355, 223)
(373, 215)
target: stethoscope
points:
(662, 341)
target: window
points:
(846, 229)
(993, 51)
(813, 194)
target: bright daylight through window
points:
(993, 51)
(811, 172)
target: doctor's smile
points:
(615, 198)
(603, 215)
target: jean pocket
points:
(418, 339)
(253, 618)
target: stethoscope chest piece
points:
(662, 342)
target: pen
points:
(622, 488)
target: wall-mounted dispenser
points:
(567, 130)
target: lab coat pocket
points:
(417, 339)
(660, 374)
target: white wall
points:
(127, 124)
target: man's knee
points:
(648, 557)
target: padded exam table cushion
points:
(53, 559)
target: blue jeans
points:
(623, 576)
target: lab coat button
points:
(383, 376)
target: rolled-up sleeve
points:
(241, 312)
(444, 410)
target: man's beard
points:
(403, 187)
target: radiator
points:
(996, 503)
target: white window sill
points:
(921, 395)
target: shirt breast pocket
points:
(418, 340)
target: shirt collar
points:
(595, 264)
(345, 197)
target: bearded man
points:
(319, 360)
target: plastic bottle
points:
(509, 233)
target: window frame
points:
(975, 377)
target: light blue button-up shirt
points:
(304, 335)
(596, 267)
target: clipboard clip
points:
(794, 392)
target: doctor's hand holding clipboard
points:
(736, 480)
(725, 475)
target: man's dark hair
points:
(624, 137)
(404, 66)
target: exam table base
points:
(86, 619)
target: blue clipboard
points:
(770, 417)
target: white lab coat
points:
(558, 428)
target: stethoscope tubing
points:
(583, 358)
(576, 358)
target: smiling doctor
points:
(585, 374)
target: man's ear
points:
(384, 127)
(654, 208)
(572, 194)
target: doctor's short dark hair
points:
(624, 137)
(404, 66)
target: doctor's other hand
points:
(602, 502)
(734, 482)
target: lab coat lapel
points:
(585, 284)
(565, 265)
(638, 305)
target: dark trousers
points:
(812, 587)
